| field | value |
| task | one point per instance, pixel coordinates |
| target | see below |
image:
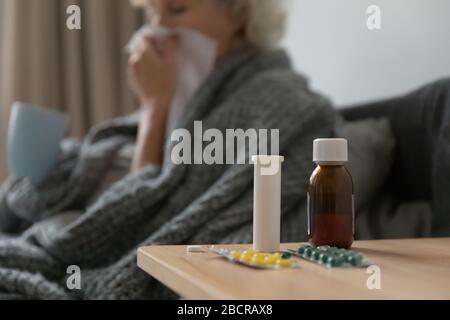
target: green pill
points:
(335, 261)
(286, 255)
(329, 261)
(348, 257)
(301, 250)
(323, 258)
(307, 252)
(315, 255)
(355, 259)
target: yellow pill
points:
(284, 263)
(250, 252)
(236, 255)
(245, 258)
(258, 261)
(270, 259)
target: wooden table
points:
(410, 269)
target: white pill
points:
(195, 249)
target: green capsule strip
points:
(331, 257)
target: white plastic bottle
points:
(267, 203)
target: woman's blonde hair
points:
(264, 19)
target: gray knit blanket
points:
(178, 204)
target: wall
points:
(2, 129)
(1, 36)
(330, 42)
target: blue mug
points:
(34, 138)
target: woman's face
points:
(210, 17)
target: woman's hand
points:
(152, 71)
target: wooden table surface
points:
(410, 269)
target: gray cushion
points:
(371, 155)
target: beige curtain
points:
(80, 72)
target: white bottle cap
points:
(330, 151)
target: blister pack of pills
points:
(331, 257)
(258, 260)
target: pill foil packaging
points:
(257, 260)
(331, 257)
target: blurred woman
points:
(234, 25)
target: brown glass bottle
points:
(330, 196)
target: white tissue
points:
(196, 54)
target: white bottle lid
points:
(330, 151)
